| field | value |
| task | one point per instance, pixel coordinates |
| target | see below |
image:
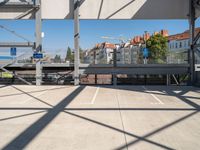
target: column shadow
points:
(23, 139)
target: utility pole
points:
(76, 42)
(192, 32)
(38, 44)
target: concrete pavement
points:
(104, 117)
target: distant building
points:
(105, 53)
(87, 56)
(178, 45)
(131, 52)
(101, 54)
(127, 53)
(164, 33)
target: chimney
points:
(146, 36)
(164, 33)
(156, 33)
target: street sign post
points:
(37, 55)
(13, 51)
(145, 55)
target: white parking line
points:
(155, 97)
(95, 95)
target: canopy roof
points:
(104, 9)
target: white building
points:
(179, 45)
(100, 54)
(127, 54)
(105, 53)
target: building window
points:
(185, 44)
(176, 45)
(180, 45)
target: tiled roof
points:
(182, 36)
(109, 45)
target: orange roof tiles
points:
(182, 36)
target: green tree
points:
(69, 55)
(157, 45)
(57, 59)
(81, 53)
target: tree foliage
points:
(57, 59)
(157, 45)
(69, 55)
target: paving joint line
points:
(120, 113)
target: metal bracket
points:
(78, 3)
(27, 12)
(197, 67)
(177, 83)
(196, 38)
(197, 4)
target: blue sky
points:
(59, 33)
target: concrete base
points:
(89, 117)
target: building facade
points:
(178, 45)
(127, 53)
(101, 54)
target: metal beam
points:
(32, 10)
(38, 48)
(16, 4)
(17, 44)
(163, 69)
(148, 69)
(192, 30)
(76, 42)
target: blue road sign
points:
(145, 52)
(37, 55)
(13, 51)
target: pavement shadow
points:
(20, 116)
(30, 92)
(23, 139)
(139, 138)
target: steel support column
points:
(192, 32)
(38, 40)
(115, 65)
(76, 42)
